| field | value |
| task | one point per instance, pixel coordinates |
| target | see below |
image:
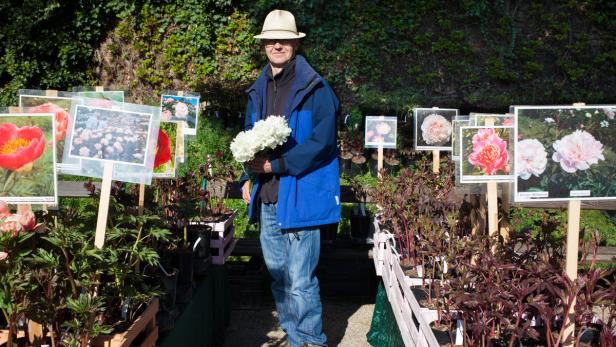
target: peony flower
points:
(604, 124)
(265, 134)
(98, 146)
(435, 129)
(588, 115)
(3, 256)
(118, 146)
(508, 122)
(5, 210)
(531, 158)
(489, 151)
(378, 139)
(163, 149)
(577, 151)
(84, 151)
(60, 114)
(549, 120)
(382, 128)
(609, 112)
(166, 116)
(181, 110)
(19, 147)
(27, 219)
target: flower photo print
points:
(176, 108)
(486, 154)
(27, 170)
(59, 106)
(458, 122)
(164, 162)
(111, 95)
(380, 131)
(111, 135)
(434, 128)
(565, 152)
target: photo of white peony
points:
(434, 128)
(531, 158)
(380, 131)
(180, 108)
(577, 151)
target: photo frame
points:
(59, 103)
(479, 119)
(457, 122)
(167, 148)
(123, 135)
(433, 128)
(565, 153)
(177, 106)
(28, 173)
(380, 131)
(486, 154)
(111, 95)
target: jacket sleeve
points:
(318, 149)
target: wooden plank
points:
(146, 320)
(103, 207)
(436, 161)
(571, 259)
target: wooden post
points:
(99, 89)
(103, 207)
(504, 225)
(492, 197)
(179, 142)
(51, 92)
(379, 161)
(571, 259)
(14, 109)
(180, 93)
(141, 198)
(436, 161)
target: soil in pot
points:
(357, 165)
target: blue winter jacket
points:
(309, 191)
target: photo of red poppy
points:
(27, 170)
(164, 163)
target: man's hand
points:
(260, 165)
(246, 192)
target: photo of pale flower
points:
(565, 152)
(577, 151)
(433, 128)
(531, 158)
(380, 131)
(436, 129)
(176, 108)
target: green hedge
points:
(380, 56)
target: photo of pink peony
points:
(436, 129)
(577, 151)
(489, 152)
(180, 108)
(485, 154)
(380, 131)
(531, 158)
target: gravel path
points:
(345, 322)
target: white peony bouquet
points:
(268, 133)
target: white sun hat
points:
(279, 24)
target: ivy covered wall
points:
(380, 56)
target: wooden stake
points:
(103, 206)
(180, 93)
(571, 262)
(14, 109)
(492, 208)
(504, 225)
(51, 92)
(99, 89)
(436, 161)
(141, 198)
(179, 140)
(379, 161)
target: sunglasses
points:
(272, 42)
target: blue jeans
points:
(291, 256)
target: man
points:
(296, 189)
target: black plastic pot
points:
(168, 312)
(360, 226)
(199, 236)
(328, 233)
(184, 261)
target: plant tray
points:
(381, 239)
(143, 332)
(222, 259)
